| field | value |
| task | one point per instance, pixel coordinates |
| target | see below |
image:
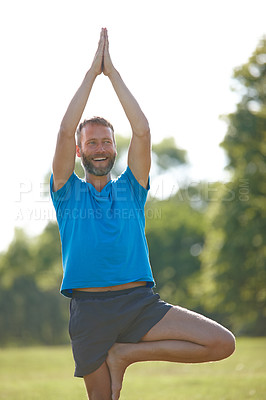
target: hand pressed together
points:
(107, 62)
(102, 61)
(97, 63)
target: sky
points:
(176, 57)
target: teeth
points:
(99, 159)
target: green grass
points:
(47, 373)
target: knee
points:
(223, 346)
(228, 344)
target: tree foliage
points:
(175, 234)
(30, 272)
(234, 257)
(168, 155)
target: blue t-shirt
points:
(102, 233)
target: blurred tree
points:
(175, 234)
(234, 257)
(30, 309)
(168, 155)
(47, 250)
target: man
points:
(116, 319)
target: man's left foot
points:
(117, 367)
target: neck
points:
(99, 182)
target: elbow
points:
(147, 131)
(147, 134)
(143, 131)
(62, 131)
(66, 132)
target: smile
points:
(100, 159)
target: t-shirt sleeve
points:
(139, 191)
(60, 197)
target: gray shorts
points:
(99, 319)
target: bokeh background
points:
(198, 70)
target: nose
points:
(100, 147)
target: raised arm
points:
(139, 154)
(65, 152)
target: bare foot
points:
(117, 366)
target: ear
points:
(78, 151)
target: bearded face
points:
(98, 164)
(97, 149)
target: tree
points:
(175, 234)
(234, 256)
(31, 311)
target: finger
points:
(101, 40)
(101, 35)
(101, 43)
(106, 41)
(106, 38)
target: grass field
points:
(38, 373)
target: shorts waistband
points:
(109, 293)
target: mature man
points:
(115, 317)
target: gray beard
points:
(94, 170)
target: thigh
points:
(182, 324)
(98, 383)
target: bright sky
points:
(176, 57)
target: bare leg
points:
(98, 384)
(181, 336)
